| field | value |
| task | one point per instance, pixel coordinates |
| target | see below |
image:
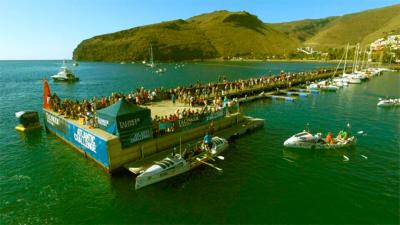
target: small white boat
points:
(313, 86)
(75, 64)
(65, 75)
(308, 141)
(329, 87)
(177, 164)
(341, 81)
(354, 80)
(389, 102)
(161, 70)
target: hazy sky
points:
(51, 29)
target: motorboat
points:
(27, 120)
(176, 164)
(65, 74)
(306, 140)
(389, 102)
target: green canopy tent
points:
(130, 122)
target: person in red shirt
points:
(328, 138)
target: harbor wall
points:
(88, 143)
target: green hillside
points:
(173, 40)
(218, 34)
(224, 34)
(302, 29)
(333, 32)
(356, 27)
(242, 34)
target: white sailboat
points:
(151, 63)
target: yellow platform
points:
(21, 128)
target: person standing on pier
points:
(173, 98)
(208, 142)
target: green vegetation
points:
(224, 34)
(302, 30)
(363, 27)
(220, 34)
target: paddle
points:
(209, 164)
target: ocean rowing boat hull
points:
(143, 181)
(317, 146)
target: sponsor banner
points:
(216, 115)
(137, 136)
(57, 122)
(88, 142)
(127, 124)
(188, 121)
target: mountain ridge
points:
(225, 34)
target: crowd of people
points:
(184, 118)
(210, 96)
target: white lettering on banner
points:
(85, 139)
(102, 122)
(215, 115)
(129, 123)
(187, 121)
(140, 136)
(52, 120)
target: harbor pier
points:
(127, 139)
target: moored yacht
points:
(354, 80)
(65, 74)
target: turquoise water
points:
(44, 181)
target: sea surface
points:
(45, 181)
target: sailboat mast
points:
(345, 59)
(151, 54)
(355, 59)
